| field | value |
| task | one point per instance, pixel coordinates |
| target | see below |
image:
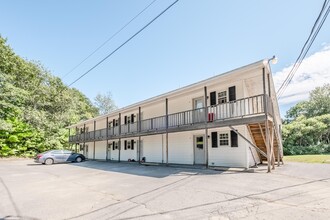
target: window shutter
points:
(132, 144)
(213, 98)
(113, 122)
(125, 120)
(125, 145)
(232, 93)
(132, 118)
(233, 139)
(214, 137)
(113, 145)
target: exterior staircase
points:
(258, 133)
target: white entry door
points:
(199, 149)
(198, 113)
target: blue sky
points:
(194, 40)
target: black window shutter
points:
(213, 98)
(113, 122)
(214, 136)
(132, 144)
(113, 145)
(232, 93)
(233, 139)
(125, 120)
(125, 145)
(132, 118)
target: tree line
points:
(306, 127)
(35, 106)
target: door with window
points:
(199, 149)
(199, 111)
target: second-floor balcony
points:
(211, 116)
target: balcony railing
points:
(240, 108)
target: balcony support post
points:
(166, 121)
(266, 121)
(94, 140)
(119, 133)
(139, 132)
(206, 129)
(85, 141)
(107, 143)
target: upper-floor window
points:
(222, 97)
(224, 139)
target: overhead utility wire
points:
(299, 60)
(304, 52)
(109, 39)
(129, 39)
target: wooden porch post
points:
(266, 122)
(107, 143)
(166, 121)
(119, 133)
(85, 140)
(94, 140)
(139, 130)
(206, 129)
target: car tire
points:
(49, 161)
(78, 159)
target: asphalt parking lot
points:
(102, 190)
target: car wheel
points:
(49, 161)
(78, 159)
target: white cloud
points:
(314, 71)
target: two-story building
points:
(230, 120)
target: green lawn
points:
(309, 158)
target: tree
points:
(318, 104)
(104, 103)
(307, 125)
(35, 106)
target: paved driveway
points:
(101, 190)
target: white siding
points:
(100, 124)
(153, 110)
(228, 156)
(113, 153)
(129, 153)
(89, 155)
(100, 150)
(152, 148)
(181, 148)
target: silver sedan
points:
(58, 156)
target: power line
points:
(109, 39)
(302, 54)
(304, 51)
(129, 39)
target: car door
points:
(57, 155)
(66, 156)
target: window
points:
(128, 145)
(224, 139)
(213, 98)
(214, 137)
(132, 144)
(233, 139)
(222, 97)
(232, 93)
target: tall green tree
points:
(35, 106)
(307, 125)
(104, 103)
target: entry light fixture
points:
(273, 60)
